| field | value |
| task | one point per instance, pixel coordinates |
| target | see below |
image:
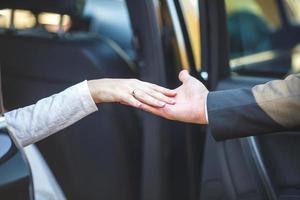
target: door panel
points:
(281, 155)
(15, 181)
(225, 166)
(262, 53)
(279, 152)
(262, 167)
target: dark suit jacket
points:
(267, 108)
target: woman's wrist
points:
(105, 90)
(92, 85)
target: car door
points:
(15, 175)
(15, 181)
(171, 150)
(249, 43)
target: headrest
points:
(70, 7)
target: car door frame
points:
(215, 57)
(148, 42)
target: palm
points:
(190, 102)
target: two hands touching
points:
(187, 103)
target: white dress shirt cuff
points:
(206, 114)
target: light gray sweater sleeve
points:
(49, 115)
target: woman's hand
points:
(131, 92)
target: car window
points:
(249, 26)
(259, 42)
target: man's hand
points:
(190, 102)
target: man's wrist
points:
(202, 115)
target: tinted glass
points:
(259, 44)
(250, 23)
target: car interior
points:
(112, 135)
(122, 153)
(267, 51)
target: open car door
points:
(248, 43)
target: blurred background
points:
(119, 152)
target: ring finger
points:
(147, 99)
(159, 96)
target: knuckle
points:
(157, 102)
(162, 97)
(127, 97)
(142, 95)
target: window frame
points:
(189, 49)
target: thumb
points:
(184, 76)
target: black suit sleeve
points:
(235, 113)
(266, 108)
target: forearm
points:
(49, 115)
(266, 108)
(280, 100)
(52, 114)
(235, 113)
